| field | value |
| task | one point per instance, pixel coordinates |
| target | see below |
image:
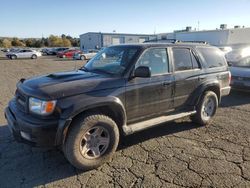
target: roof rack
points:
(174, 41)
(194, 41)
(162, 41)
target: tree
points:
(29, 43)
(17, 42)
(66, 42)
(5, 43)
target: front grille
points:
(21, 101)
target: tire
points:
(81, 145)
(206, 108)
(13, 57)
(83, 57)
(34, 56)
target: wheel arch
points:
(113, 109)
(212, 86)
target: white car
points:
(24, 53)
(85, 55)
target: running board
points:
(130, 129)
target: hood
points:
(240, 71)
(63, 84)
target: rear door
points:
(148, 97)
(186, 73)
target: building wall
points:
(241, 35)
(219, 37)
(90, 41)
(213, 37)
(122, 39)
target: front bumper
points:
(33, 131)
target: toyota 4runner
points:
(122, 90)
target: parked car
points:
(46, 51)
(236, 52)
(23, 53)
(5, 50)
(122, 90)
(67, 53)
(241, 74)
(85, 55)
(54, 51)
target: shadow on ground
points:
(34, 167)
(236, 98)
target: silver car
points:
(240, 71)
(85, 55)
(24, 53)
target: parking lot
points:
(177, 154)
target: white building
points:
(218, 37)
(92, 40)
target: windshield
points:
(242, 63)
(112, 60)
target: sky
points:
(40, 18)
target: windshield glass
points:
(242, 63)
(112, 60)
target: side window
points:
(195, 62)
(213, 57)
(182, 59)
(156, 59)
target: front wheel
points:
(34, 56)
(83, 57)
(13, 57)
(206, 108)
(91, 141)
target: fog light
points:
(25, 135)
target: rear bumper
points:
(225, 91)
(33, 131)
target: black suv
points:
(122, 90)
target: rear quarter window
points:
(213, 57)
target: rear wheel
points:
(206, 108)
(91, 141)
(34, 56)
(13, 57)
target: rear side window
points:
(182, 59)
(213, 57)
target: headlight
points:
(41, 107)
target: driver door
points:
(153, 96)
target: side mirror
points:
(142, 72)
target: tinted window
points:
(212, 56)
(182, 59)
(195, 62)
(156, 59)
